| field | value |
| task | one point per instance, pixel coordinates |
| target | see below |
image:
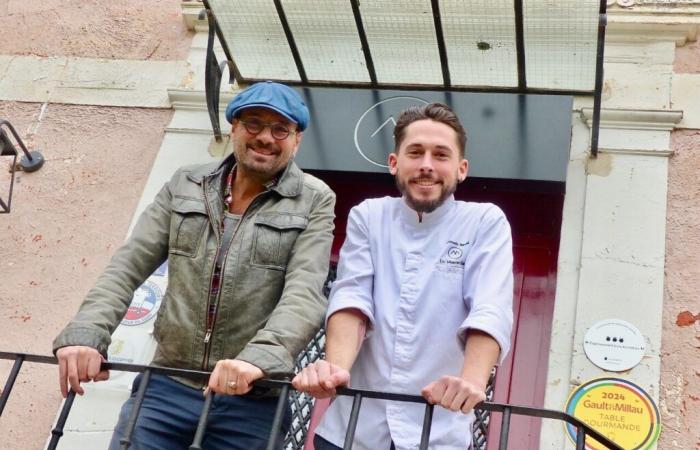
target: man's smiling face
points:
(261, 155)
(428, 164)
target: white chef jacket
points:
(421, 284)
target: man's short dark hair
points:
(439, 112)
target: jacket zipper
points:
(219, 237)
(212, 322)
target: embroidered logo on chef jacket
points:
(453, 258)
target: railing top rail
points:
(266, 383)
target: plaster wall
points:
(680, 355)
(115, 29)
(57, 57)
(611, 261)
(687, 58)
(66, 221)
(90, 81)
(680, 347)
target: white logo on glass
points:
(374, 143)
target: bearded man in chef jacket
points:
(422, 301)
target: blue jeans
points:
(322, 444)
(170, 412)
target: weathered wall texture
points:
(66, 221)
(680, 349)
(115, 29)
(687, 58)
(68, 218)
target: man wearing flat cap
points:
(247, 242)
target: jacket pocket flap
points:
(188, 205)
(282, 221)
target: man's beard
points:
(247, 161)
(425, 206)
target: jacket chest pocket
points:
(273, 239)
(187, 226)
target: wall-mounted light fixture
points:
(30, 161)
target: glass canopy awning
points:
(518, 46)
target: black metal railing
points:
(358, 395)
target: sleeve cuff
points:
(85, 336)
(502, 339)
(339, 303)
(269, 359)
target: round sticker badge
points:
(144, 305)
(618, 409)
(614, 345)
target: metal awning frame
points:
(214, 70)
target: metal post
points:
(202, 425)
(437, 21)
(212, 78)
(125, 441)
(520, 44)
(10, 382)
(277, 421)
(598, 90)
(355, 4)
(290, 40)
(234, 73)
(5, 208)
(427, 423)
(505, 428)
(580, 438)
(57, 432)
(352, 424)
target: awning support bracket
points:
(441, 44)
(520, 43)
(355, 4)
(290, 40)
(598, 88)
(212, 76)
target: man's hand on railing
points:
(454, 393)
(320, 379)
(233, 377)
(77, 364)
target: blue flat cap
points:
(274, 96)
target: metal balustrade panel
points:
(301, 404)
(482, 418)
(507, 410)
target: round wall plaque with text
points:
(614, 345)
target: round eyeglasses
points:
(278, 130)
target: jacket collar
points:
(410, 216)
(288, 184)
